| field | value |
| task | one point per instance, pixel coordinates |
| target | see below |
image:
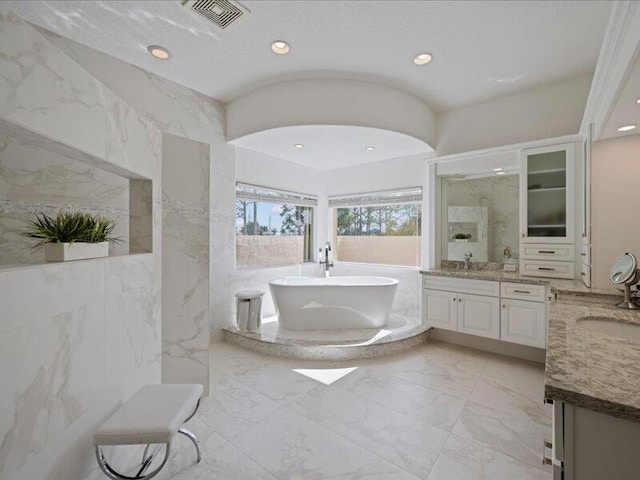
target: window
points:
(378, 227)
(273, 227)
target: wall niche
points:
(38, 174)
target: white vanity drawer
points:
(543, 251)
(523, 291)
(539, 268)
(462, 285)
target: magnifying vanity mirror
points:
(625, 272)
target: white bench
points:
(153, 416)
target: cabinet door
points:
(439, 309)
(547, 194)
(479, 315)
(523, 322)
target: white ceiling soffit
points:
(481, 50)
(332, 146)
(626, 110)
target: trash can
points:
(249, 306)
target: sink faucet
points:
(327, 264)
(467, 260)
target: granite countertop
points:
(589, 369)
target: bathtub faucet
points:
(326, 262)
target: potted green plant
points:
(72, 235)
(461, 237)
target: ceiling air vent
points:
(221, 12)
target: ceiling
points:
(626, 111)
(332, 146)
(482, 50)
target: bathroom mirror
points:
(624, 269)
(625, 272)
(480, 208)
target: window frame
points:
(401, 196)
(263, 194)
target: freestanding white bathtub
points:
(307, 303)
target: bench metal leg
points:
(147, 458)
(110, 472)
(193, 438)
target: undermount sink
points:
(607, 326)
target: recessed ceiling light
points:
(638, 100)
(501, 173)
(370, 148)
(626, 128)
(280, 47)
(422, 59)
(497, 169)
(299, 146)
(159, 52)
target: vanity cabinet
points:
(589, 445)
(462, 305)
(512, 312)
(472, 314)
(547, 211)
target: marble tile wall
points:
(500, 196)
(185, 260)
(76, 339)
(180, 111)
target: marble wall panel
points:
(31, 293)
(42, 88)
(133, 339)
(185, 261)
(52, 372)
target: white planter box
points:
(63, 252)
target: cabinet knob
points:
(504, 306)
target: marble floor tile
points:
(232, 408)
(465, 460)
(517, 437)
(225, 463)
(426, 404)
(231, 360)
(438, 412)
(291, 447)
(410, 444)
(279, 383)
(512, 372)
(447, 378)
(511, 400)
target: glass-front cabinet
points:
(547, 211)
(547, 200)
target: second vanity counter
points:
(597, 371)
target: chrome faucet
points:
(467, 260)
(327, 264)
